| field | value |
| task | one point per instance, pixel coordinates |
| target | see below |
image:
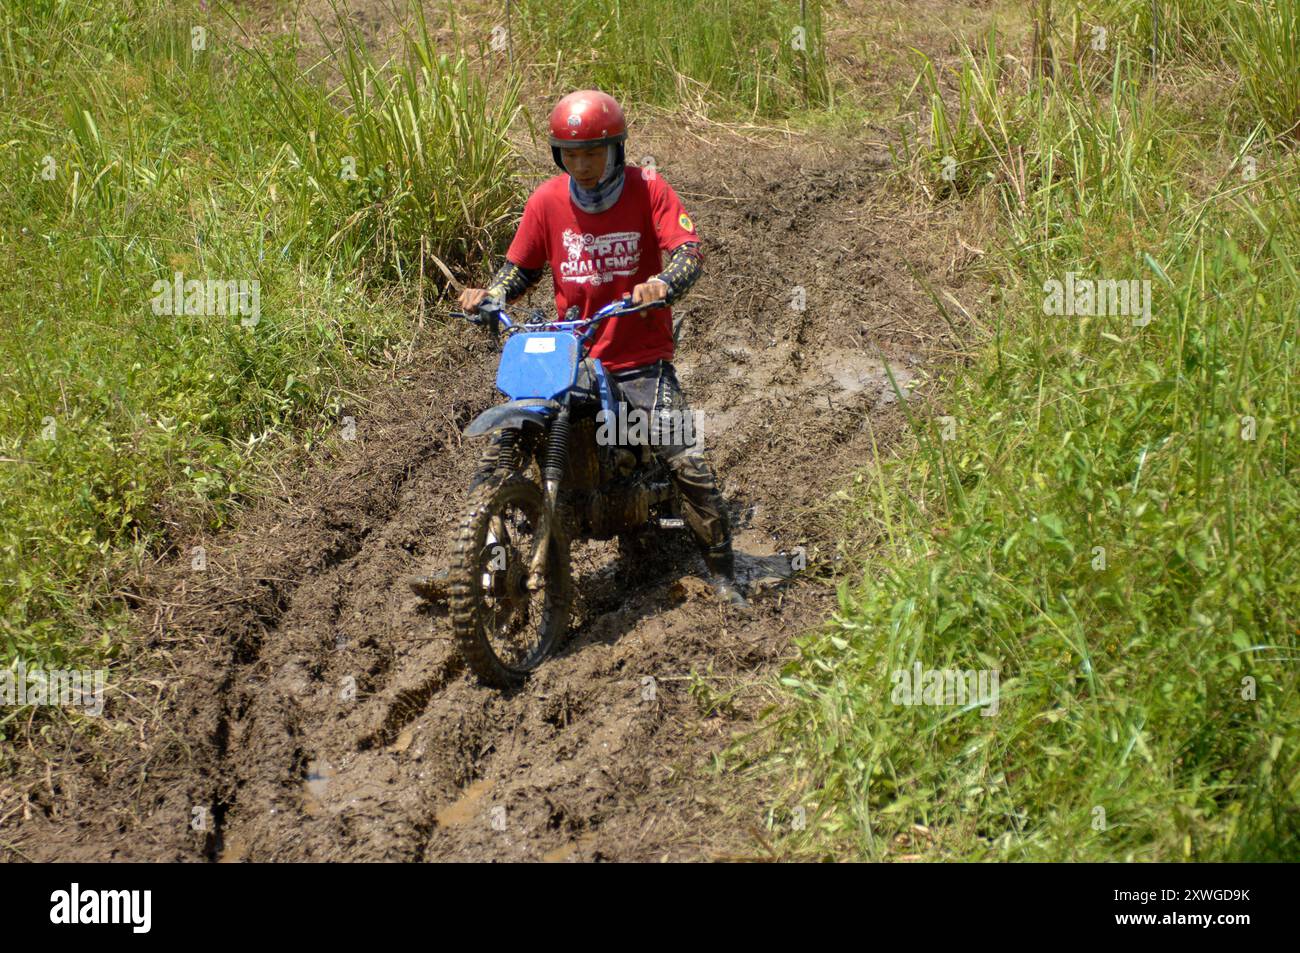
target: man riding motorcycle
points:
(603, 229)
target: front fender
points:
(518, 413)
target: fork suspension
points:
(557, 455)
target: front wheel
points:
(503, 629)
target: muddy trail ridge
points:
(307, 706)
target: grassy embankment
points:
(171, 151)
(1102, 509)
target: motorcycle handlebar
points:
(491, 308)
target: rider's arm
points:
(684, 266)
(674, 230)
(511, 281)
(527, 255)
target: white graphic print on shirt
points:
(596, 259)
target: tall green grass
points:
(756, 57)
(125, 431)
(408, 153)
(1177, 28)
(1259, 39)
(1265, 46)
(1108, 518)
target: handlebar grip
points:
(486, 313)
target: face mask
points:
(607, 191)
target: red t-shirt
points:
(595, 259)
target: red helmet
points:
(586, 118)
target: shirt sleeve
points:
(673, 226)
(528, 250)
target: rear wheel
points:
(503, 629)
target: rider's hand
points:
(650, 291)
(471, 298)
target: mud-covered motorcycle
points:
(554, 483)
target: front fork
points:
(557, 455)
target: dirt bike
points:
(510, 586)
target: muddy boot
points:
(431, 588)
(722, 569)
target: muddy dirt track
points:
(244, 723)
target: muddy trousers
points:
(653, 390)
(675, 440)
